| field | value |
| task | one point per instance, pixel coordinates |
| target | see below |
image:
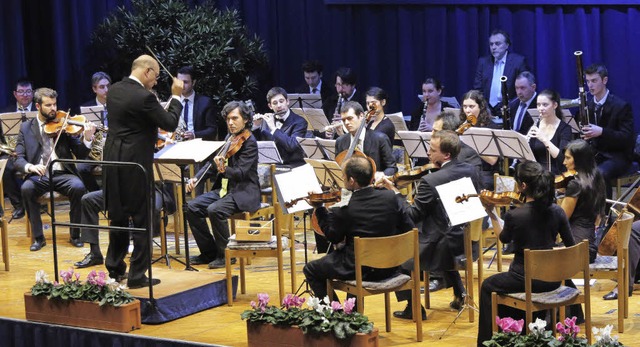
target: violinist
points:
(236, 188)
(371, 212)
(584, 200)
(440, 243)
(377, 100)
(35, 150)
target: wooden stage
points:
(222, 325)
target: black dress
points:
(583, 219)
(560, 139)
(386, 127)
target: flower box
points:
(268, 335)
(84, 314)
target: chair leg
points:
(227, 265)
(292, 253)
(387, 312)
(427, 293)
(5, 243)
(243, 285)
(494, 312)
(280, 277)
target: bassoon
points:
(506, 118)
(583, 114)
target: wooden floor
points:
(223, 326)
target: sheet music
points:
(328, 172)
(416, 143)
(316, 119)
(268, 153)
(93, 114)
(295, 184)
(312, 148)
(11, 121)
(460, 212)
(498, 143)
(305, 101)
(169, 173)
(398, 122)
(187, 152)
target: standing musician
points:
(552, 134)
(584, 199)
(282, 127)
(36, 149)
(134, 117)
(237, 188)
(377, 100)
(440, 242)
(535, 225)
(371, 212)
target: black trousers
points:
(218, 210)
(11, 183)
(85, 171)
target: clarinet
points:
(336, 113)
(422, 126)
(506, 119)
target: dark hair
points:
(484, 117)
(507, 38)
(23, 82)
(312, 66)
(188, 70)
(435, 82)
(378, 93)
(450, 121)
(528, 75)
(449, 142)
(276, 91)
(245, 111)
(555, 97)
(539, 184)
(99, 76)
(347, 75)
(600, 69)
(357, 108)
(44, 92)
(592, 184)
(360, 169)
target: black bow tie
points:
(279, 120)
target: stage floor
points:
(222, 325)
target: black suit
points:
(371, 212)
(29, 151)
(614, 148)
(514, 65)
(285, 138)
(440, 243)
(376, 146)
(527, 121)
(204, 117)
(325, 90)
(329, 107)
(10, 181)
(134, 115)
(243, 194)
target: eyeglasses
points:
(24, 92)
(154, 71)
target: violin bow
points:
(55, 143)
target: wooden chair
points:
(617, 267)
(244, 252)
(502, 184)
(552, 265)
(4, 227)
(385, 252)
(45, 199)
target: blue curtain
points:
(391, 46)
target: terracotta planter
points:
(267, 335)
(84, 314)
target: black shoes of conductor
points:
(37, 245)
(143, 283)
(89, 260)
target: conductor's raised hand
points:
(177, 87)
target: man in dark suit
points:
(35, 151)
(346, 90)
(198, 113)
(371, 212)
(492, 67)
(10, 180)
(282, 127)
(527, 98)
(236, 190)
(440, 243)
(375, 145)
(134, 115)
(611, 131)
(312, 70)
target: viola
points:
(330, 196)
(471, 121)
(562, 180)
(71, 125)
(488, 197)
(404, 178)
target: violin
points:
(404, 178)
(488, 197)
(165, 137)
(71, 125)
(562, 180)
(470, 122)
(329, 196)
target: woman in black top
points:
(424, 116)
(475, 105)
(584, 199)
(534, 225)
(377, 99)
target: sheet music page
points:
(460, 212)
(192, 151)
(416, 143)
(315, 117)
(295, 184)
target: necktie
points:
(518, 122)
(314, 91)
(46, 146)
(279, 122)
(185, 114)
(495, 96)
(598, 112)
(104, 116)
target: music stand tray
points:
(94, 114)
(416, 143)
(313, 149)
(11, 121)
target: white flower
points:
(538, 326)
(313, 302)
(42, 277)
(604, 335)
(112, 284)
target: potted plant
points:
(100, 302)
(321, 323)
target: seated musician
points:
(371, 212)
(536, 225)
(36, 150)
(634, 262)
(440, 243)
(282, 127)
(236, 188)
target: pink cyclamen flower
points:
(510, 325)
(349, 305)
(335, 306)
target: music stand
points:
(416, 143)
(398, 123)
(316, 119)
(182, 154)
(498, 143)
(313, 149)
(305, 100)
(268, 153)
(566, 115)
(94, 114)
(167, 173)
(11, 121)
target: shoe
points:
(89, 260)
(407, 314)
(457, 303)
(143, 283)
(76, 242)
(219, 263)
(18, 213)
(199, 260)
(435, 285)
(37, 245)
(612, 295)
(509, 248)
